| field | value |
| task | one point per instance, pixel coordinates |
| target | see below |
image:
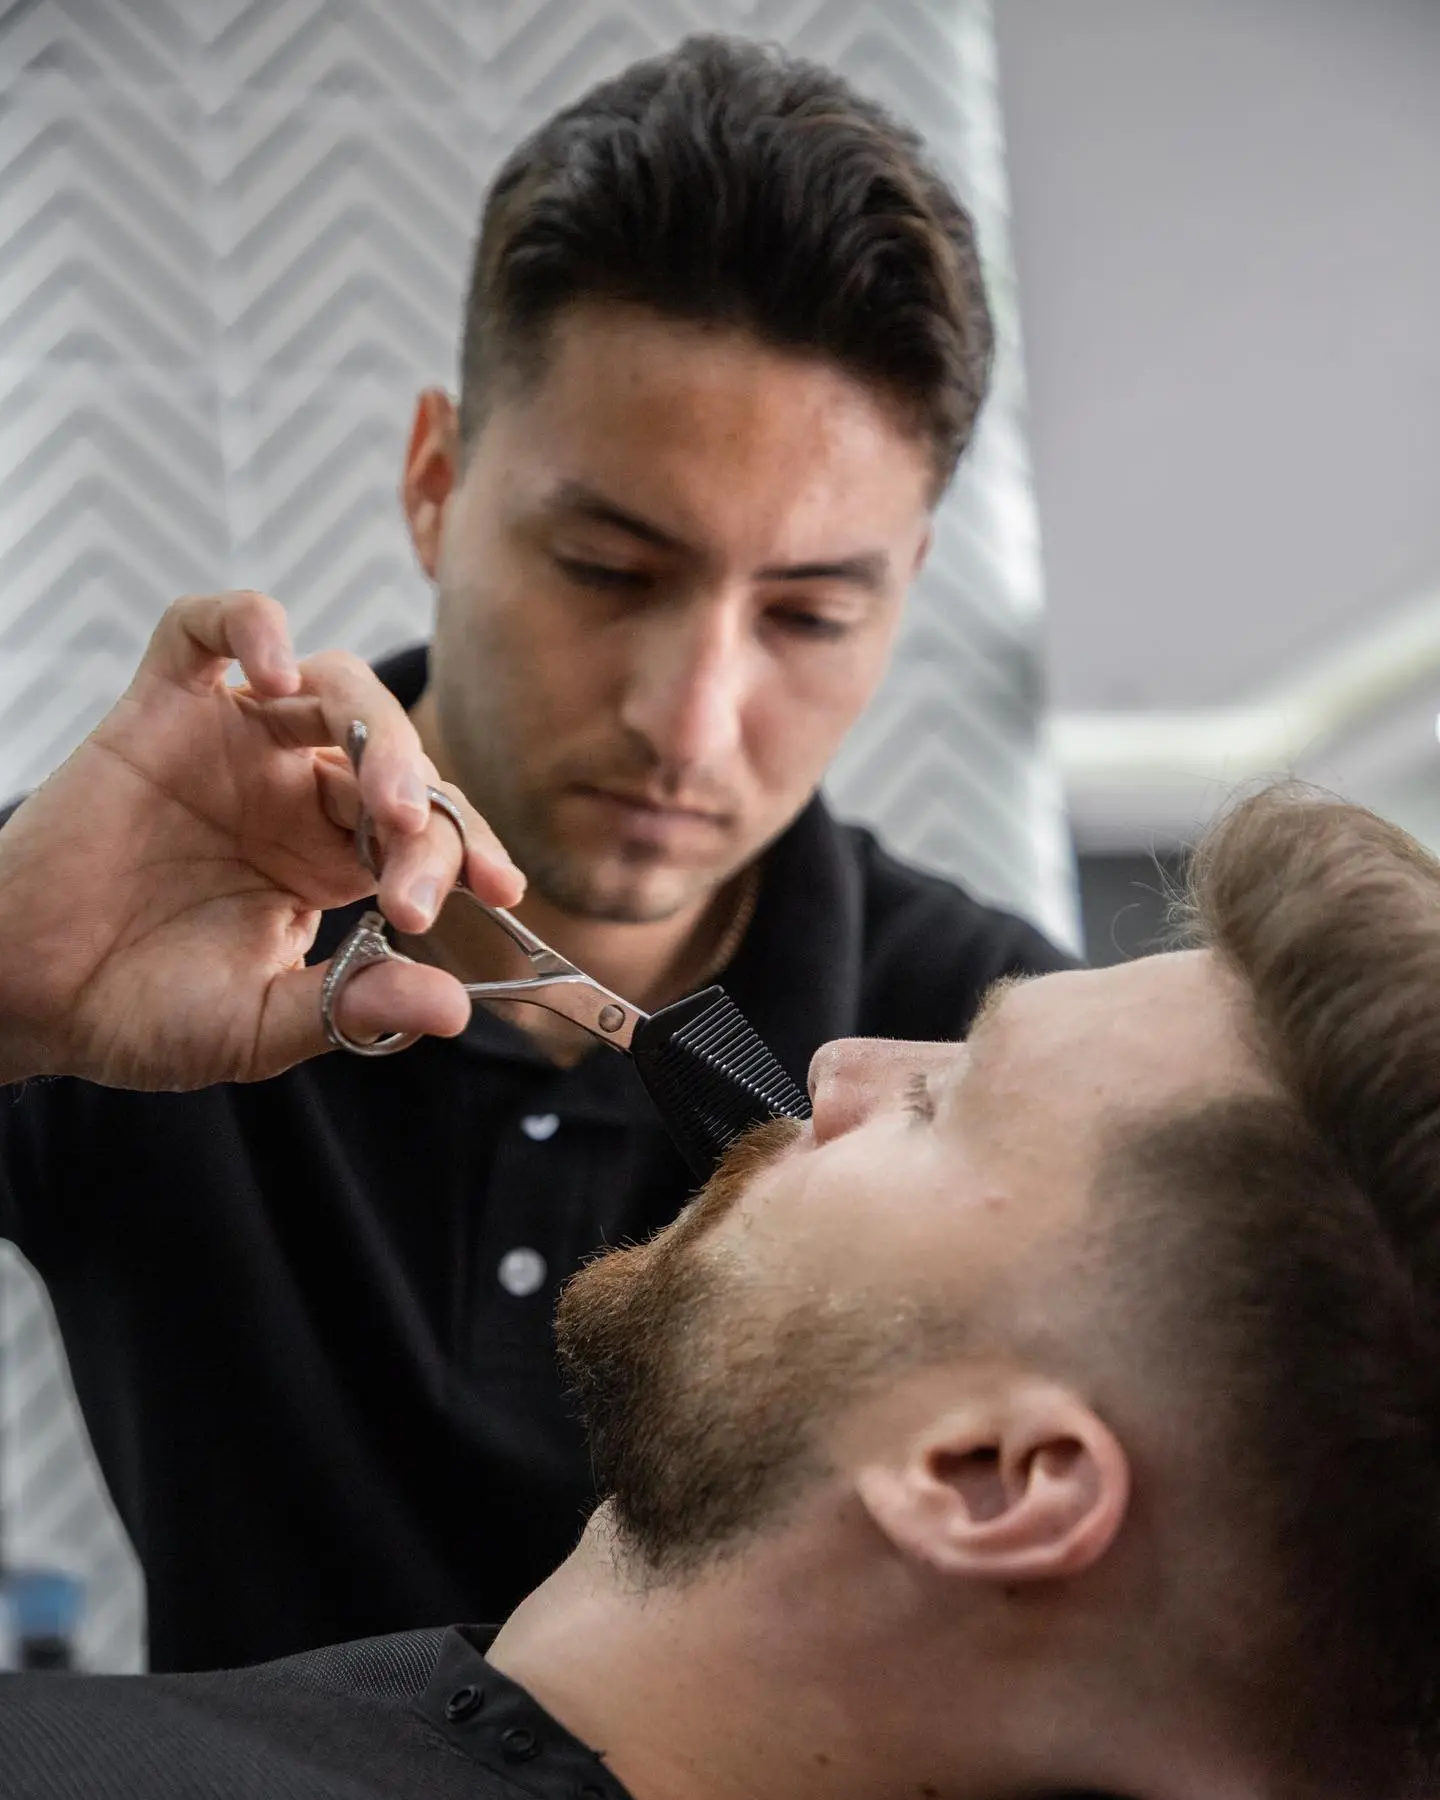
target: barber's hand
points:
(158, 894)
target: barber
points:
(724, 343)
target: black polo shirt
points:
(309, 1320)
(422, 1714)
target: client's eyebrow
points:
(991, 1003)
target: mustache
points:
(743, 1161)
(643, 775)
(665, 1253)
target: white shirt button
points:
(539, 1126)
(522, 1271)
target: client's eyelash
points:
(919, 1101)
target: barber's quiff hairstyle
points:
(729, 185)
(1300, 1238)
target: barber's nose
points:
(687, 684)
(854, 1079)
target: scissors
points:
(711, 1077)
(553, 982)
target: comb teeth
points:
(710, 1075)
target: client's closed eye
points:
(919, 1101)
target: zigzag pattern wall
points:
(233, 241)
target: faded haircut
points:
(1290, 1249)
(727, 184)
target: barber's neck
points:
(650, 963)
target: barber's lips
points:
(655, 821)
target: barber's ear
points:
(432, 469)
(1024, 1485)
(922, 555)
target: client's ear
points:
(1023, 1485)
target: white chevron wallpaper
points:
(233, 237)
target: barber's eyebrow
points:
(867, 569)
(583, 502)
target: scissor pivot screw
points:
(611, 1018)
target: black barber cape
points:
(422, 1714)
(309, 1320)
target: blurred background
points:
(1224, 222)
(1196, 543)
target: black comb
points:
(710, 1076)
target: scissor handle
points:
(557, 985)
(366, 944)
(519, 935)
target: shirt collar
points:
(797, 974)
(494, 1722)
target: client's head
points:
(1095, 1361)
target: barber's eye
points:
(919, 1101)
(797, 620)
(602, 575)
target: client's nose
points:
(853, 1079)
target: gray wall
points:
(1125, 902)
(1227, 228)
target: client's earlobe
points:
(1029, 1485)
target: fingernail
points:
(412, 790)
(424, 895)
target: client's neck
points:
(746, 1679)
(818, 1664)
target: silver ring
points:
(443, 803)
(366, 944)
(367, 845)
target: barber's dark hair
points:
(1297, 1239)
(728, 184)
